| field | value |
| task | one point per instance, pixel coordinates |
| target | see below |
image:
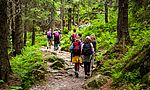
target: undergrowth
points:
(29, 65)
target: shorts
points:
(49, 38)
(76, 59)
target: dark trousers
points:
(87, 66)
(71, 56)
(77, 66)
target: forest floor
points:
(61, 79)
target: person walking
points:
(49, 38)
(73, 38)
(93, 40)
(56, 40)
(76, 56)
(87, 51)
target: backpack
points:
(56, 37)
(49, 34)
(87, 49)
(73, 37)
(56, 34)
(76, 48)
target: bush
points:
(26, 64)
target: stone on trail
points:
(95, 82)
(57, 65)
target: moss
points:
(57, 65)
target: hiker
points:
(56, 40)
(60, 33)
(93, 40)
(87, 51)
(49, 37)
(73, 36)
(76, 56)
(80, 35)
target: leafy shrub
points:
(26, 64)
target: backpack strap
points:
(82, 47)
(92, 47)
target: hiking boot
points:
(88, 74)
(76, 74)
(86, 77)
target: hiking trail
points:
(61, 79)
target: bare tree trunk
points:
(62, 16)
(74, 15)
(122, 23)
(106, 11)
(4, 31)
(52, 17)
(69, 19)
(25, 36)
(33, 33)
(18, 33)
(25, 24)
(117, 2)
(78, 13)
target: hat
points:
(88, 37)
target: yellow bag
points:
(76, 59)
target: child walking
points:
(76, 53)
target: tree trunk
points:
(62, 16)
(122, 23)
(25, 36)
(78, 13)
(106, 11)
(73, 15)
(25, 24)
(33, 34)
(52, 17)
(69, 19)
(18, 32)
(117, 1)
(4, 31)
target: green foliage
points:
(135, 87)
(65, 42)
(26, 64)
(1, 81)
(15, 88)
(40, 39)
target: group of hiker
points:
(55, 36)
(83, 52)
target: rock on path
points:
(63, 79)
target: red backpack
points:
(76, 47)
(74, 35)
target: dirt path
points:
(63, 79)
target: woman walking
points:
(87, 51)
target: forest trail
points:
(61, 79)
